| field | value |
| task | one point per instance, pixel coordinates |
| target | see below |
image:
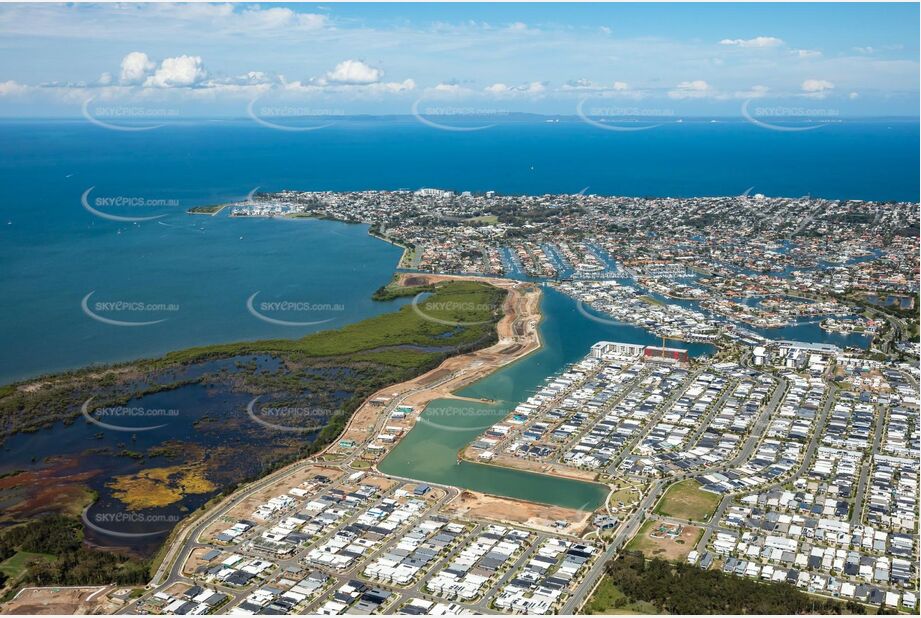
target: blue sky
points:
(618, 59)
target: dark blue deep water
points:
(53, 252)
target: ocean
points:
(194, 275)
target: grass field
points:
(608, 599)
(16, 565)
(685, 500)
(665, 548)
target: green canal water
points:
(429, 452)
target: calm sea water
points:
(198, 272)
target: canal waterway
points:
(430, 451)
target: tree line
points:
(679, 588)
(74, 564)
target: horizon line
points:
(505, 114)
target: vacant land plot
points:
(472, 504)
(658, 540)
(56, 601)
(685, 500)
(608, 599)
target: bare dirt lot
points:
(538, 516)
(49, 601)
(653, 541)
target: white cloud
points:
(354, 72)
(696, 89)
(11, 88)
(135, 68)
(276, 18)
(865, 50)
(393, 87)
(756, 92)
(354, 78)
(161, 22)
(502, 90)
(853, 95)
(816, 87)
(535, 88)
(252, 78)
(519, 26)
(449, 90)
(230, 19)
(257, 77)
(476, 54)
(758, 41)
(581, 84)
(312, 21)
(351, 90)
(178, 72)
(589, 85)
